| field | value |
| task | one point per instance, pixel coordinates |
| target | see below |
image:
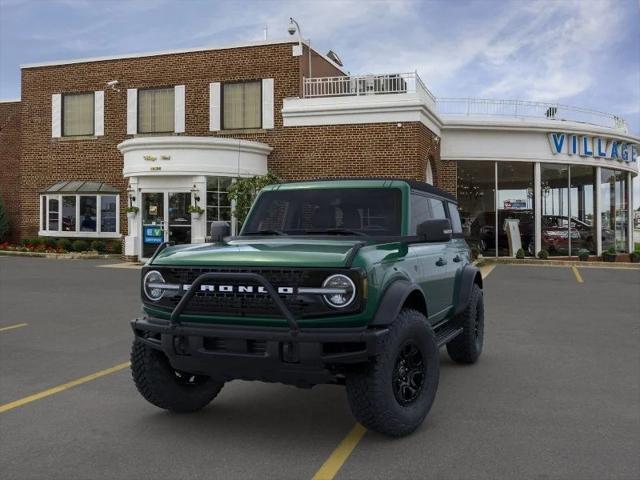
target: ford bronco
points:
(353, 282)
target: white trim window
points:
(76, 214)
(156, 110)
(79, 114)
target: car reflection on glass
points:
(555, 235)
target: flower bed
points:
(63, 245)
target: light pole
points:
(293, 28)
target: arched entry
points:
(429, 173)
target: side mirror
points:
(435, 230)
(219, 230)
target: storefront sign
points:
(152, 234)
(588, 146)
(515, 204)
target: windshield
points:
(334, 211)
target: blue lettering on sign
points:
(152, 234)
(573, 148)
(586, 147)
(613, 154)
(557, 141)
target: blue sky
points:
(578, 52)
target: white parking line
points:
(132, 265)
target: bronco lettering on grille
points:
(240, 289)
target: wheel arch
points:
(470, 276)
(399, 294)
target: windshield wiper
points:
(337, 231)
(265, 232)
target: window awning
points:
(80, 186)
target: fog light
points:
(345, 291)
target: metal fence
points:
(525, 109)
(356, 85)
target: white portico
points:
(168, 173)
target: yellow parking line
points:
(60, 388)
(485, 270)
(577, 274)
(11, 327)
(335, 461)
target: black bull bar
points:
(255, 277)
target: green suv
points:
(354, 282)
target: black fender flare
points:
(470, 275)
(393, 298)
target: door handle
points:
(441, 262)
(457, 258)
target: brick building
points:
(165, 130)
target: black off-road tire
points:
(164, 387)
(373, 390)
(467, 347)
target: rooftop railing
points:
(478, 107)
(356, 85)
(399, 83)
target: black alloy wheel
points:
(408, 374)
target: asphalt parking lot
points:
(556, 393)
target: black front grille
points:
(254, 304)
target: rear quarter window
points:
(454, 215)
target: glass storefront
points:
(567, 208)
(582, 206)
(515, 205)
(476, 197)
(614, 194)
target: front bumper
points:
(304, 357)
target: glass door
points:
(179, 218)
(153, 225)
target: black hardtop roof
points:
(414, 184)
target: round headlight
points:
(345, 291)
(152, 285)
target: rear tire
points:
(393, 393)
(467, 347)
(167, 388)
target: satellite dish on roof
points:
(333, 56)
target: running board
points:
(447, 334)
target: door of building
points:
(164, 218)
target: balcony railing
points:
(478, 107)
(399, 83)
(357, 85)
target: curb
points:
(556, 263)
(63, 256)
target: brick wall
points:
(10, 163)
(298, 152)
(48, 160)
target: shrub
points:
(583, 254)
(244, 191)
(543, 254)
(30, 241)
(635, 257)
(611, 250)
(80, 246)
(98, 246)
(4, 223)
(520, 253)
(114, 246)
(47, 242)
(64, 244)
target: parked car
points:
(352, 282)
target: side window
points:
(437, 209)
(456, 224)
(419, 212)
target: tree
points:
(244, 190)
(4, 222)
